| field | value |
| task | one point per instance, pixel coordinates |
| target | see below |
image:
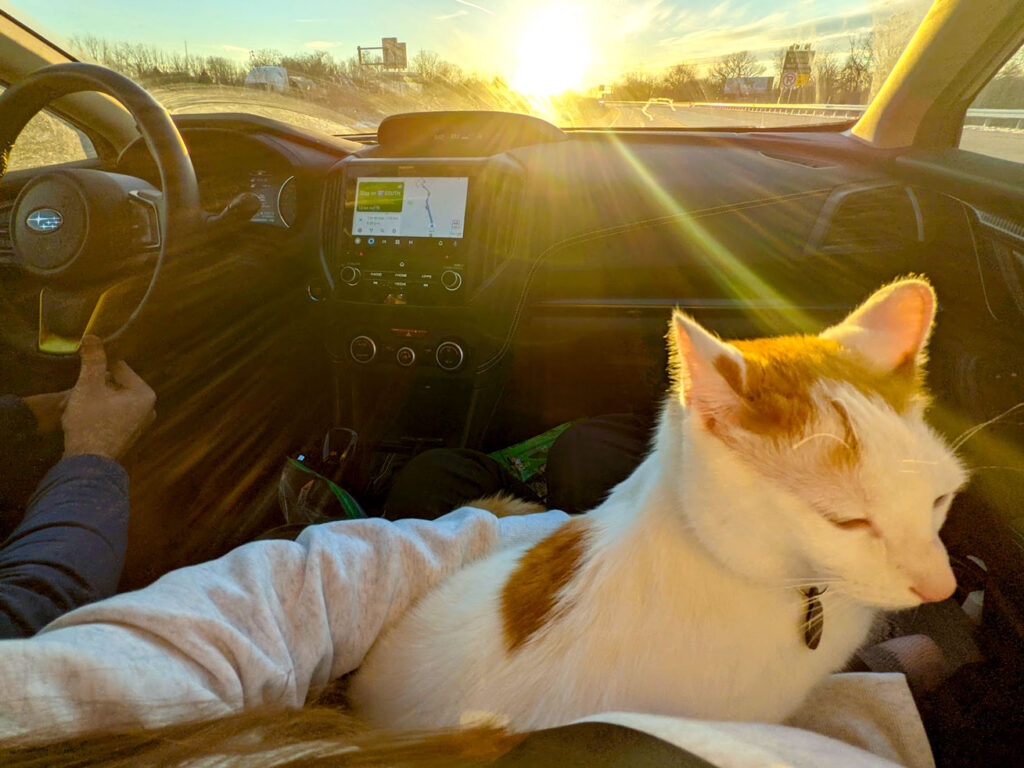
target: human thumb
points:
(94, 363)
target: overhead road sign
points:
(392, 54)
(796, 66)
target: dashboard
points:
(459, 260)
(276, 192)
(227, 165)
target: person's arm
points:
(69, 547)
(264, 625)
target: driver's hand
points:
(105, 412)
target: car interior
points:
(266, 323)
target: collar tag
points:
(814, 616)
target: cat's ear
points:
(710, 372)
(890, 330)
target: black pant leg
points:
(591, 457)
(437, 481)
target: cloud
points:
(309, 21)
(474, 5)
(765, 35)
(319, 45)
(639, 18)
(233, 48)
(719, 10)
(453, 15)
(654, 34)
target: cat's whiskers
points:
(836, 607)
(972, 431)
(810, 582)
(996, 466)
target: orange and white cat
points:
(792, 491)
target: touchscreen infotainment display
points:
(411, 206)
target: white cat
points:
(781, 468)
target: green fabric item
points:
(528, 459)
(348, 504)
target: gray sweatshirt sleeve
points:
(266, 624)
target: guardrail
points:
(836, 111)
(995, 118)
(991, 118)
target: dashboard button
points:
(449, 356)
(350, 275)
(451, 280)
(362, 349)
(405, 356)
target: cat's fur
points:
(777, 464)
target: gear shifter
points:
(307, 491)
(339, 443)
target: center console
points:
(408, 232)
(414, 248)
(425, 267)
(425, 263)
(421, 255)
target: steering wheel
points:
(84, 236)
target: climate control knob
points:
(362, 349)
(350, 275)
(449, 356)
(451, 280)
(405, 356)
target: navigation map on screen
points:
(426, 206)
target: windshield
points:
(341, 67)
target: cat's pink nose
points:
(935, 587)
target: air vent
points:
(500, 229)
(6, 243)
(876, 219)
(333, 217)
(1002, 224)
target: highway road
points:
(664, 116)
(1005, 144)
(1008, 145)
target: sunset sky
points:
(583, 42)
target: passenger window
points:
(48, 140)
(994, 125)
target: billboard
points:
(748, 86)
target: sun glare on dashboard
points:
(553, 51)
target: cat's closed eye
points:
(941, 500)
(857, 523)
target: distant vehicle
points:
(303, 84)
(268, 78)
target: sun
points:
(553, 51)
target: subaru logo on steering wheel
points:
(44, 220)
